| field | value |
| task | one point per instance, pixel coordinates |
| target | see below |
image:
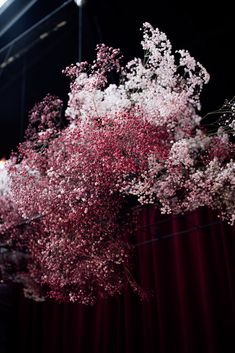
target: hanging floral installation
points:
(65, 194)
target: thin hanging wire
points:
(80, 32)
(182, 232)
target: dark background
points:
(205, 29)
(187, 261)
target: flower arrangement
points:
(64, 206)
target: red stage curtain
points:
(190, 269)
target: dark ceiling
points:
(30, 66)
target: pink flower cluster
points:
(66, 209)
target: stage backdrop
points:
(188, 265)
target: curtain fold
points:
(185, 263)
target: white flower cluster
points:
(4, 179)
(153, 87)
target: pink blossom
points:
(67, 208)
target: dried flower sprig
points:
(69, 184)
